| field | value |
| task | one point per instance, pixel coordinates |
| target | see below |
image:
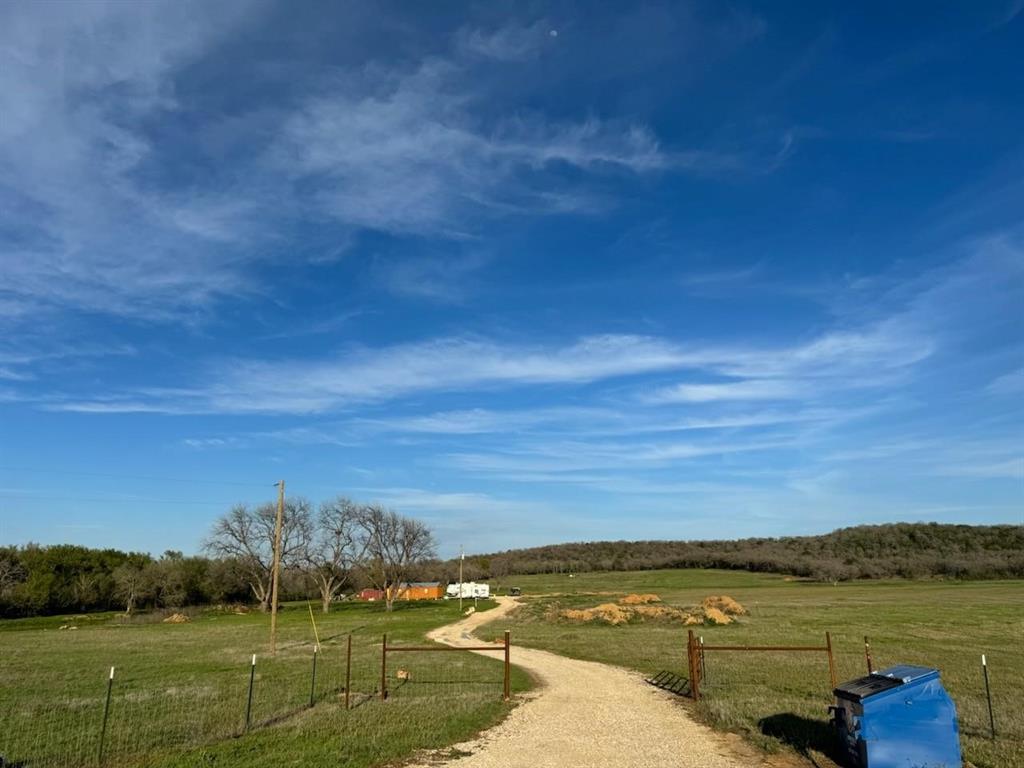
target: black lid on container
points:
(866, 686)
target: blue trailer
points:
(900, 717)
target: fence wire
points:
(150, 714)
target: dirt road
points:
(588, 715)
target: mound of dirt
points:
(725, 604)
(609, 613)
(715, 616)
(714, 610)
(660, 612)
(177, 618)
(639, 599)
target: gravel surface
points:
(587, 715)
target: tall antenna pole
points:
(276, 570)
(462, 559)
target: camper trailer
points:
(469, 589)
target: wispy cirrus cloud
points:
(834, 360)
(593, 420)
(748, 389)
(75, 89)
(109, 215)
(369, 375)
(569, 456)
(512, 42)
(1007, 384)
(438, 279)
(400, 151)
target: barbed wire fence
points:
(736, 688)
(134, 716)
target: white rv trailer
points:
(470, 589)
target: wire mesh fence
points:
(788, 692)
(134, 718)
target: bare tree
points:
(499, 569)
(394, 545)
(247, 536)
(336, 548)
(12, 572)
(84, 589)
(131, 584)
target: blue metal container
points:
(900, 717)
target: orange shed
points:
(421, 590)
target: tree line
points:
(341, 546)
(900, 550)
(338, 545)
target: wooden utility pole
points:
(275, 576)
(462, 559)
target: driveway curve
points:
(585, 715)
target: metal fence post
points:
(831, 660)
(106, 715)
(694, 665)
(248, 706)
(703, 662)
(988, 695)
(384, 668)
(348, 669)
(312, 684)
(508, 668)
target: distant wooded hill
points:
(910, 550)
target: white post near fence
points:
(106, 714)
(252, 679)
(988, 695)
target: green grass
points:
(779, 700)
(180, 690)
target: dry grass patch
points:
(715, 610)
(639, 599)
(725, 604)
(609, 613)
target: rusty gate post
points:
(831, 660)
(694, 664)
(698, 652)
(508, 670)
(384, 668)
(867, 655)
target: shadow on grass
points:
(804, 735)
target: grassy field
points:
(180, 690)
(780, 700)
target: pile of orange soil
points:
(714, 610)
(639, 599)
(725, 604)
(609, 613)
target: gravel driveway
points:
(587, 715)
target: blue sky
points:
(536, 272)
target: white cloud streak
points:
(451, 364)
(750, 389)
(513, 42)
(402, 153)
(99, 220)
(1008, 384)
